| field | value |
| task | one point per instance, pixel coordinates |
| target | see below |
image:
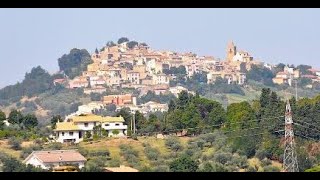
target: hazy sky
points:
(31, 37)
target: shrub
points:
(265, 162)
(130, 154)
(239, 161)
(261, 154)
(222, 157)
(54, 146)
(93, 165)
(183, 164)
(151, 153)
(252, 169)
(101, 152)
(173, 143)
(115, 132)
(115, 162)
(271, 168)
(27, 151)
(95, 137)
(14, 143)
(161, 168)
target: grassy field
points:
(113, 146)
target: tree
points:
(143, 44)
(15, 117)
(122, 40)
(37, 81)
(240, 118)
(96, 51)
(141, 121)
(54, 121)
(88, 135)
(278, 68)
(96, 96)
(183, 99)
(132, 44)
(304, 81)
(264, 97)
(260, 74)
(125, 113)
(2, 118)
(30, 121)
(74, 63)
(172, 105)
(111, 44)
(183, 164)
(304, 69)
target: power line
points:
(306, 137)
(245, 135)
(221, 124)
(308, 124)
(306, 127)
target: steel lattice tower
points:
(290, 162)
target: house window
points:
(107, 124)
(85, 124)
(70, 133)
(62, 133)
(117, 124)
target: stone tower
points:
(231, 51)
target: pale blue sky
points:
(31, 37)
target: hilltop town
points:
(130, 108)
(133, 65)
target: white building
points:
(152, 106)
(88, 108)
(178, 89)
(160, 79)
(133, 77)
(76, 127)
(55, 158)
(242, 56)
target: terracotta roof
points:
(313, 70)
(57, 156)
(309, 76)
(121, 169)
(281, 73)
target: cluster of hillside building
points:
(142, 68)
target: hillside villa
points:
(75, 128)
(55, 158)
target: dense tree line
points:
(75, 62)
(260, 74)
(35, 82)
(11, 164)
(151, 96)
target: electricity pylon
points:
(290, 162)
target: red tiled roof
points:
(58, 156)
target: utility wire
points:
(221, 124)
(305, 127)
(298, 134)
(306, 123)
